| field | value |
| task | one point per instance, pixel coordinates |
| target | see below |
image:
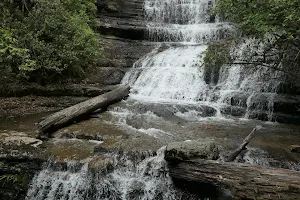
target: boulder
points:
(107, 75)
(104, 163)
(236, 111)
(187, 150)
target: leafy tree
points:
(55, 36)
(276, 23)
(261, 17)
(12, 58)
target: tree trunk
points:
(243, 180)
(78, 111)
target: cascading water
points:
(132, 178)
(173, 72)
(183, 21)
(169, 83)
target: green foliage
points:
(216, 55)
(13, 59)
(9, 178)
(50, 39)
(276, 23)
(15, 180)
(261, 17)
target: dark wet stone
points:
(121, 18)
(234, 111)
(178, 151)
(101, 150)
(89, 137)
(109, 75)
(67, 135)
(286, 118)
(171, 111)
(16, 171)
(287, 104)
(264, 106)
(295, 148)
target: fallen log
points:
(78, 111)
(244, 181)
(242, 147)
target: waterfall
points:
(174, 72)
(168, 85)
(132, 178)
(254, 86)
(183, 21)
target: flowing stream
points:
(174, 71)
(132, 178)
(169, 97)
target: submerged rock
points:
(178, 151)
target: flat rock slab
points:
(187, 150)
(26, 140)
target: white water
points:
(170, 75)
(183, 21)
(173, 72)
(178, 11)
(60, 184)
(132, 178)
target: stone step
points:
(264, 101)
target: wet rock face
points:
(122, 28)
(178, 151)
(121, 18)
(111, 75)
(16, 173)
(19, 161)
(264, 106)
(122, 53)
(172, 112)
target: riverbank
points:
(12, 107)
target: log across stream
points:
(200, 164)
(244, 181)
(78, 111)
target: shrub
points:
(52, 39)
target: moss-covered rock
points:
(16, 175)
(178, 151)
